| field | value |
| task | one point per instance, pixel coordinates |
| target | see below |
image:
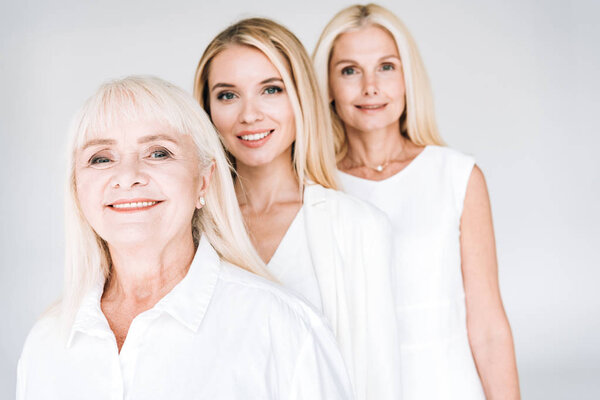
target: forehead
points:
(366, 42)
(133, 130)
(130, 134)
(241, 63)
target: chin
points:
(256, 160)
(132, 237)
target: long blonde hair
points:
(220, 221)
(418, 120)
(314, 156)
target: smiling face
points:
(366, 80)
(250, 106)
(139, 183)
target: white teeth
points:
(138, 204)
(256, 136)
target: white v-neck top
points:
(424, 202)
(221, 333)
(292, 265)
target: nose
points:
(250, 112)
(370, 85)
(128, 173)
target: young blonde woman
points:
(157, 304)
(256, 81)
(456, 340)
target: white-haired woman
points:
(157, 304)
(256, 81)
(456, 340)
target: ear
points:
(205, 179)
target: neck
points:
(260, 187)
(146, 273)
(376, 147)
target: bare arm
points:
(489, 332)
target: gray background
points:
(515, 83)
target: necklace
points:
(377, 168)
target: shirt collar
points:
(89, 318)
(187, 302)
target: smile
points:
(371, 106)
(256, 136)
(133, 205)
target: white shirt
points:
(350, 245)
(221, 333)
(292, 265)
(424, 202)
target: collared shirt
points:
(221, 333)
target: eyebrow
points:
(229, 85)
(347, 61)
(97, 142)
(153, 138)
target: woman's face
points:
(250, 106)
(139, 183)
(366, 80)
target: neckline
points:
(285, 236)
(400, 173)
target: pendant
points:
(379, 168)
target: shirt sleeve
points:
(20, 380)
(319, 372)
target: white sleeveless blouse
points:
(424, 202)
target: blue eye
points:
(348, 71)
(388, 67)
(225, 96)
(99, 160)
(273, 90)
(159, 154)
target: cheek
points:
(343, 92)
(89, 195)
(397, 88)
(181, 183)
(223, 118)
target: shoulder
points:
(44, 338)
(477, 187)
(447, 153)
(266, 299)
(349, 209)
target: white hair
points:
(220, 220)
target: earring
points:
(202, 201)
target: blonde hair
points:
(418, 120)
(314, 156)
(220, 221)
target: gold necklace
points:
(377, 168)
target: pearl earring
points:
(202, 201)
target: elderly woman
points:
(157, 304)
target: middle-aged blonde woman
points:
(256, 81)
(456, 340)
(154, 307)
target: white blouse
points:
(292, 265)
(424, 202)
(221, 333)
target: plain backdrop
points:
(516, 85)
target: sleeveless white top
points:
(291, 264)
(424, 202)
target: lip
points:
(371, 107)
(133, 205)
(255, 142)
